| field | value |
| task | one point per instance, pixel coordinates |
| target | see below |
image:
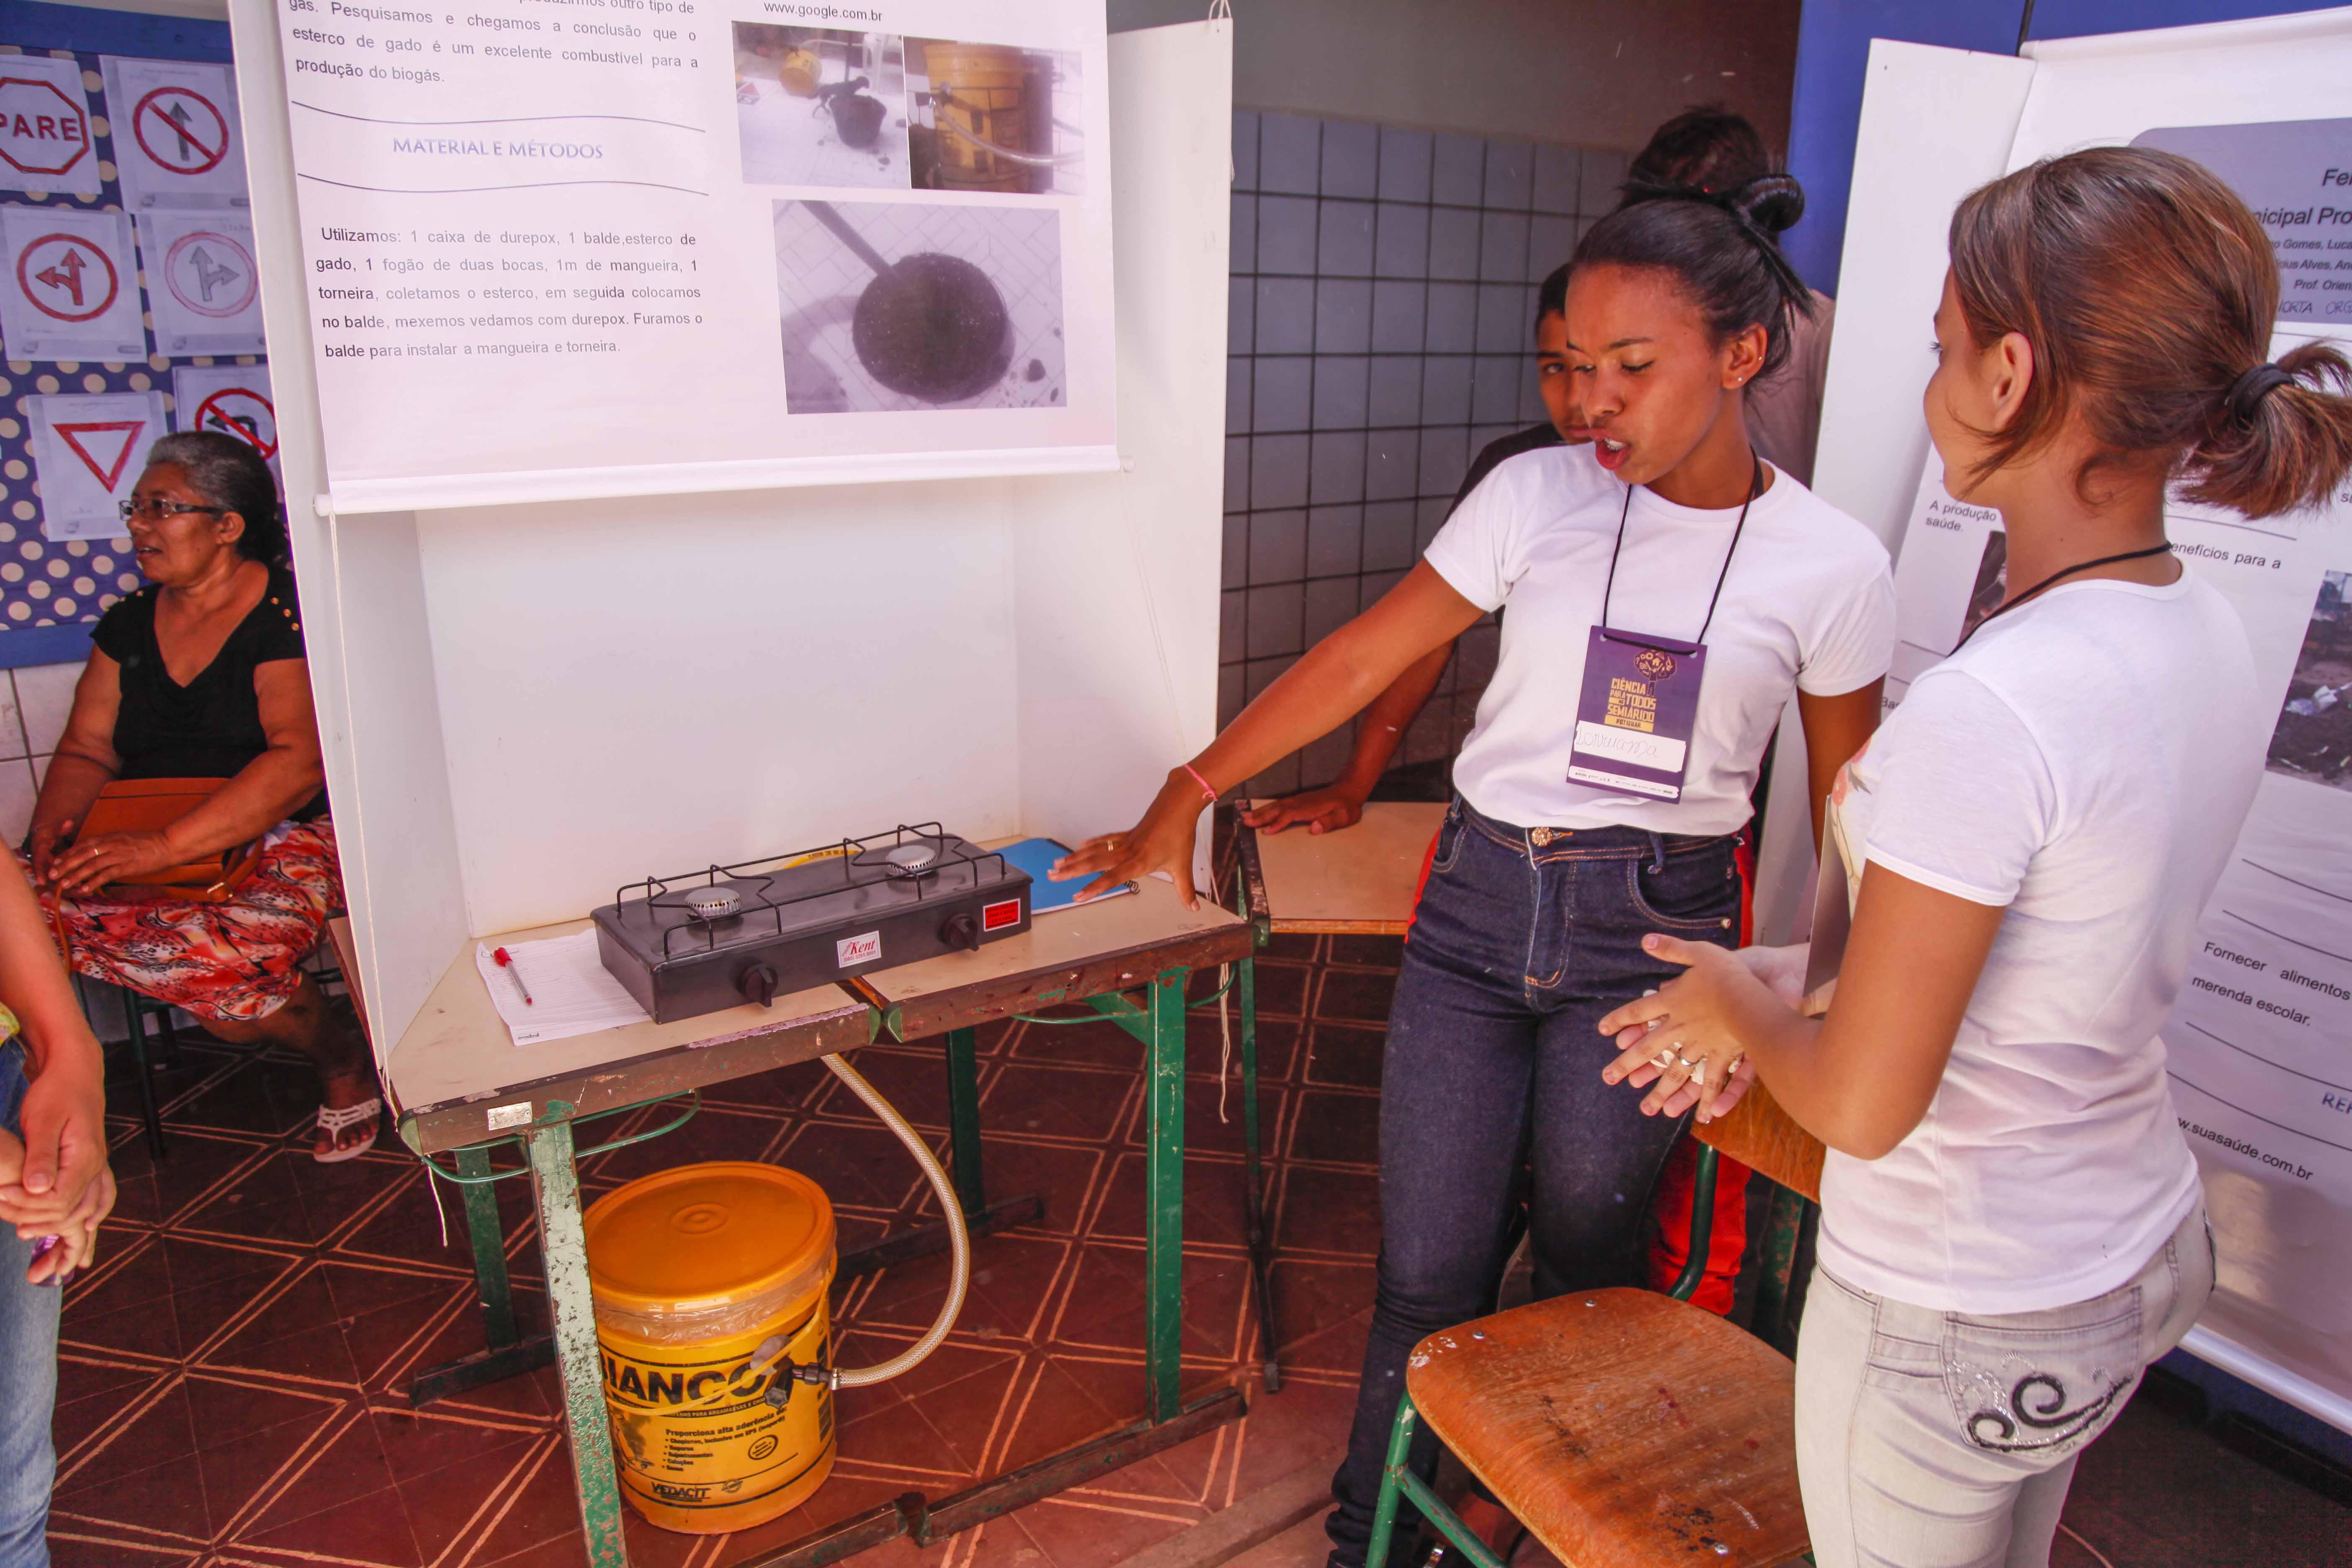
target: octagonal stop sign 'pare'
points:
(42, 130)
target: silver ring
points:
(1685, 1060)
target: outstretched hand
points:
(1161, 842)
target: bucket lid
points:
(707, 1235)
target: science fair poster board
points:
(2260, 1047)
(641, 246)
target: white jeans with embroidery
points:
(1930, 1439)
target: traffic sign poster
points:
(47, 144)
(203, 287)
(178, 141)
(233, 399)
(68, 289)
(88, 449)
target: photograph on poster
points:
(819, 107)
(989, 117)
(2313, 737)
(1991, 584)
(898, 307)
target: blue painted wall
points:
(1834, 46)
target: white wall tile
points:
(45, 696)
(16, 792)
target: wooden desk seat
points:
(1624, 1429)
(1627, 1429)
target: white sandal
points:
(331, 1122)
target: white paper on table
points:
(572, 992)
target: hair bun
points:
(1772, 204)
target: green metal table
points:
(460, 1088)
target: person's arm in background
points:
(1340, 804)
(1835, 728)
(64, 1186)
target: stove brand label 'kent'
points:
(855, 950)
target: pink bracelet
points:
(1208, 796)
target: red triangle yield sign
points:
(109, 474)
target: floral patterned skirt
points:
(233, 961)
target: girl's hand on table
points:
(1326, 810)
(1161, 842)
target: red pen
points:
(506, 960)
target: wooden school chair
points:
(1623, 1428)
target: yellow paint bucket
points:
(711, 1286)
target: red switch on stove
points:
(1001, 916)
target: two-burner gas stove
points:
(701, 941)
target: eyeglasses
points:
(155, 510)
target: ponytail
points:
(2147, 291)
(1722, 247)
(2283, 439)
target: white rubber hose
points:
(959, 1242)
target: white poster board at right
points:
(2258, 1045)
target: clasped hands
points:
(1687, 1041)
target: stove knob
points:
(961, 930)
(759, 985)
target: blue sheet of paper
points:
(1036, 857)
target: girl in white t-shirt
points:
(1599, 794)
(2012, 1225)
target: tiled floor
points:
(234, 1370)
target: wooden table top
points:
(1360, 880)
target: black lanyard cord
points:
(1754, 489)
(2054, 578)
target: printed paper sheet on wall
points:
(701, 244)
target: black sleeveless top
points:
(210, 727)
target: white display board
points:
(522, 706)
(556, 253)
(2261, 1078)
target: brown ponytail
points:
(2148, 290)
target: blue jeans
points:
(28, 1370)
(1524, 939)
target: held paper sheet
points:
(634, 247)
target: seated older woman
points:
(202, 675)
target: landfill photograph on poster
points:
(2314, 738)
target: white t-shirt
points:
(2084, 762)
(1808, 604)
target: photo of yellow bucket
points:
(710, 1285)
(985, 90)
